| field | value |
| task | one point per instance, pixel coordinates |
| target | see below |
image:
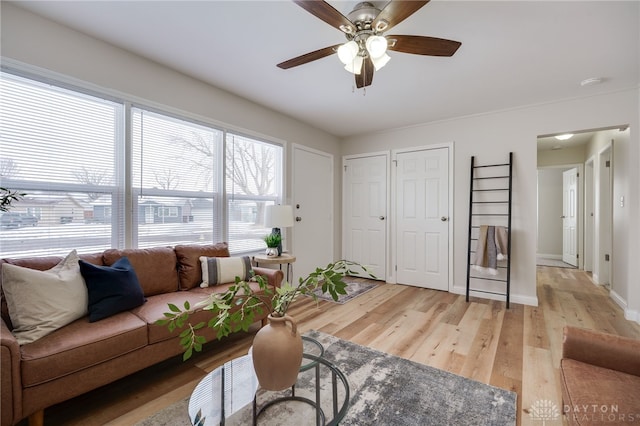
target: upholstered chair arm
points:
(274, 276)
(604, 350)
(10, 383)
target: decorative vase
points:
(277, 353)
(271, 251)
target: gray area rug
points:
(384, 390)
(354, 289)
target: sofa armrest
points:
(10, 383)
(274, 276)
(601, 349)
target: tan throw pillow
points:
(40, 302)
(222, 270)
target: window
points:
(254, 180)
(60, 148)
(189, 182)
(176, 180)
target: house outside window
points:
(190, 182)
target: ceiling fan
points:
(366, 46)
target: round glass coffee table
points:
(231, 394)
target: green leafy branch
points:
(236, 308)
(8, 196)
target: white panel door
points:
(570, 217)
(365, 213)
(312, 201)
(422, 214)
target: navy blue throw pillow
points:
(111, 289)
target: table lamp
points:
(276, 217)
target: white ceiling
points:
(513, 53)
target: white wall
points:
(30, 39)
(490, 137)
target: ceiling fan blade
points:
(420, 45)
(324, 11)
(365, 78)
(308, 57)
(395, 12)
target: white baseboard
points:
(632, 315)
(515, 298)
(619, 300)
(550, 256)
(629, 314)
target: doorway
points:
(365, 217)
(312, 200)
(422, 227)
(591, 153)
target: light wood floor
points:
(517, 349)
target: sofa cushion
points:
(155, 267)
(40, 302)
(79, 345)
(112, 289)
(590, 392)
(156, 306)
(39, 264)
(189, 267)
(223, 270)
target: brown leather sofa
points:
(83, 355)
(600, 376)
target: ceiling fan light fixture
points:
(348, 52)
(381, 25)
(380, 62)
(376, 46)
(355, 66)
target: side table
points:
(283, 259)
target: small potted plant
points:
(273, 241)
(277, 349)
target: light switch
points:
(622, 201)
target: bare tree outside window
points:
(93, 177)
(250, 169)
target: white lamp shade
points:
(355, 66)
(381, 61)
(348, 52)
(278, 216)
(376, 46)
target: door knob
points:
(444, 218)
(381, 218)
(298, 219)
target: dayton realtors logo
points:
(544, 411)
(600, 413)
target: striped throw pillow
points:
(224, 270)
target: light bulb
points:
(377, 46)
(347, 52)
(381, 61)
(355, 66)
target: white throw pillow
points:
(223, 270)
(41, 302)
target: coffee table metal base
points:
(339, 409)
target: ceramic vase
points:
(277, 353)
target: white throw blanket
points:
(492, 245)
